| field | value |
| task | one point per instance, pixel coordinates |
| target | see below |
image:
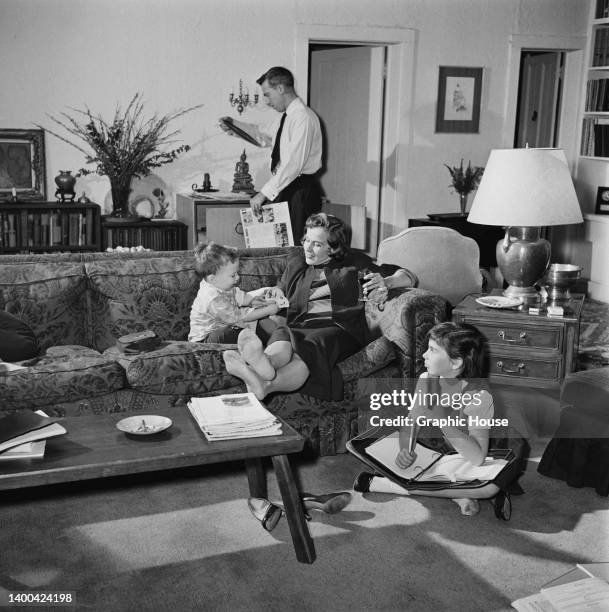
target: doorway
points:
(346, 85)
(540, 87)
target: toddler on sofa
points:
(221, 309)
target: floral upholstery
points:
(78, 305)
(50, 298)
(178, 368)
(154, 294)
(63, 373)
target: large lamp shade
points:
(524, 190)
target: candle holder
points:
(242, 100)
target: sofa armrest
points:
(405, 320)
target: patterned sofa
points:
(78, 304)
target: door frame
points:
(574, 73)
(399, 92)
(528, 58)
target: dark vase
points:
(65, 186)
(463, 202)
(120, 190)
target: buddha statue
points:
(243, 180)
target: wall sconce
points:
(242, 100)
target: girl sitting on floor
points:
(456, 358)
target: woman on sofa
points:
(325, 320)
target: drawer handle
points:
(521, 337)
(521, 366)
(239, 228)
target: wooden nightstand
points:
(526, 350)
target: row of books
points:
(595, 138)
(234, 416)
(158, 238)
(23, 434)
(24, 228)
(602, 9)
(600, 51)
(597, 95)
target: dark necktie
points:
(275, 152)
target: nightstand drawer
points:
(520, 334)
(533, 350)
(518, 367)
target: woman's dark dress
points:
(324, 342)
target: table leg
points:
(292, 502)
(256, 477)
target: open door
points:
(539, 99)
(346, 90)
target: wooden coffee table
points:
(95, 448)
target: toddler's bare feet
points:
(252, 351)
(235, 365)
(469, 507)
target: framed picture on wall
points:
(458, 106)
(22, 164)
(602, 201)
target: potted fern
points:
(464, 181)
(129, 146)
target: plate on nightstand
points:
(499, 301)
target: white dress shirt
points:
(300, 147)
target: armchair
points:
(445, 261)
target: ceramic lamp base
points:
(522, 257)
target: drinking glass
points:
(361, 277)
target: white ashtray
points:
(144, 424)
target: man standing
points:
(296, 150)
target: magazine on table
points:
(272, 229)
(23, 434)
(233, 416)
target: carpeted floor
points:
(189, 543)
(186, 541)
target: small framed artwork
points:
(22, 165)
(459, 94)
(602, 201)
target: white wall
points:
(70, 53)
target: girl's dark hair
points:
(462, 340)
(339, 234)
(209, 258)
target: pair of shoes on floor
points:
(362, 482)
(265, 511)
(269, 513)
(330, 503)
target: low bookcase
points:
(44, 227)
(156, 235)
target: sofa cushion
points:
(178, 368)
(49, 296)
(63, 373)
(262, 267)
(152, 293)
(17, 339)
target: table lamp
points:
(524, 190)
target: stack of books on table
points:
(229, 417)
(23, 434)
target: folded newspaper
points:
(229, 417)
